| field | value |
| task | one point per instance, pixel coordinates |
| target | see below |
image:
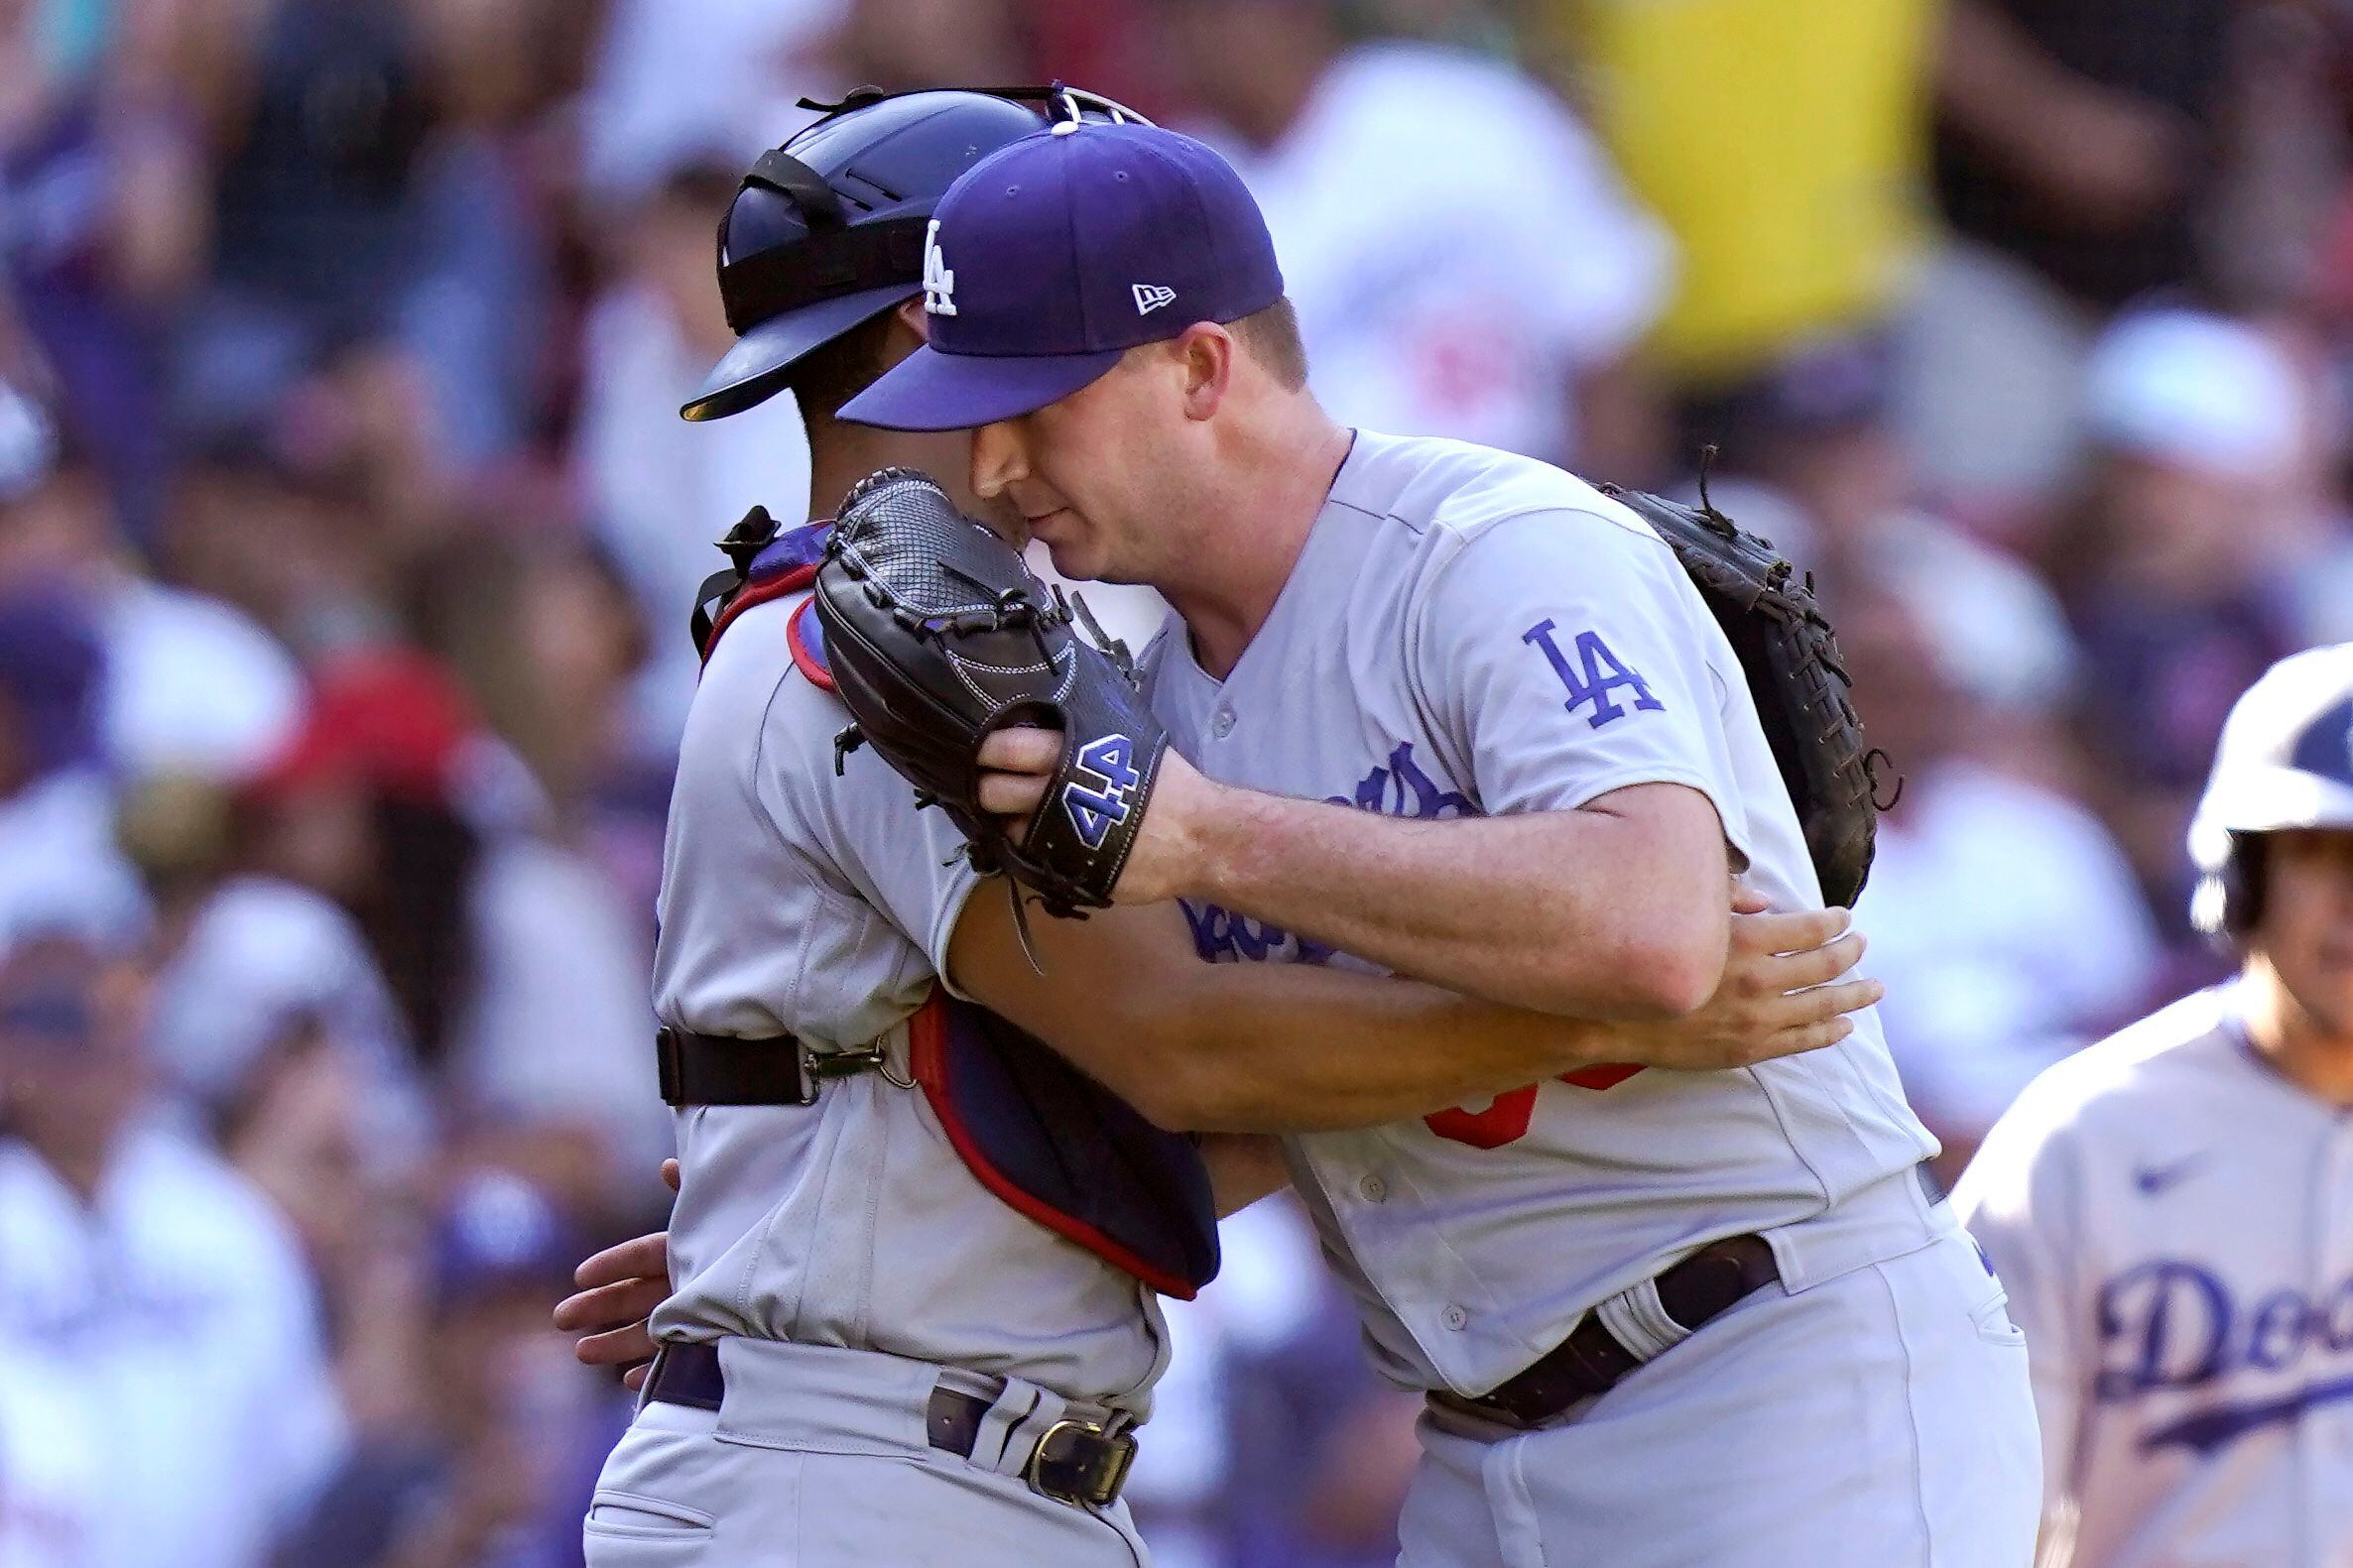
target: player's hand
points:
(1776, 997)
(619, 1290)
(1017, 764)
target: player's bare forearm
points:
(1616, 910)
(1250, 1048)
(1289, 1047)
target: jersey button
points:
(1454, 1317)
(1223, 724)
(1374, 1189)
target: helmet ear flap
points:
(2249, 867)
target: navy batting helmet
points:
(826, 231)
(2285, 762)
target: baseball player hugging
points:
(2173, 1208)
(911, 1310)
(1440, 712)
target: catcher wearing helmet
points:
(2170, 1207)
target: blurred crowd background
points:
(347, 534)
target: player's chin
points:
(2327, 993)
(1072, 558)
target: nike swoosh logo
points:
(2211, 1429)
(2154, 1179)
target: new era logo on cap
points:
(1052, 232)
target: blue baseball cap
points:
(1056, 253)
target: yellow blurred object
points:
(1785, 145)
(174, 827)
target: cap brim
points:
(754, 369)
(932, 391)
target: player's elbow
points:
(1669, 972)
(1680, 979)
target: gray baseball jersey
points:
(1469, 632)
(2174, 1222)
(796, 901)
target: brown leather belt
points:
(1075, 1462)
(1591, 1361)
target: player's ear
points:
(915, 318)
(1206, 353)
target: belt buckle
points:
(817, 1067)
(1056, 1471)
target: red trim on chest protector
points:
(804, 656)
(926, 1045)
(780, 586)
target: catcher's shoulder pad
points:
(767, 563)
(1795, 675)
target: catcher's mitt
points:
(1790, 656)
(938, 637)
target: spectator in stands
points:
(559, 1027)
(2168, 563)
(518, 977)
(659, 490)
(1465, 261)
(149, 1283)
(191, 685)
(363, 224)
(2004, 919)
(58, 858)
(673, 80)
(1782, 146)
(495, 1461)
(2089, 154)
(305, 553)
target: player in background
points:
(2173, 1208)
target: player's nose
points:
(998, 459)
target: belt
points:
(777, 1069)
(1076, 1462)
(1593, 1360)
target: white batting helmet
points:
(2286, 760)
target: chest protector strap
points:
(1046, 1140)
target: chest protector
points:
(1035, 1130)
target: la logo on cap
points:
(1150, 297)
(940, 284)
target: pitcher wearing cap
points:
(2174, 1207)
(1661, 1318)
(912, 1305)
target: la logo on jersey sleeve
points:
(1594, 674)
